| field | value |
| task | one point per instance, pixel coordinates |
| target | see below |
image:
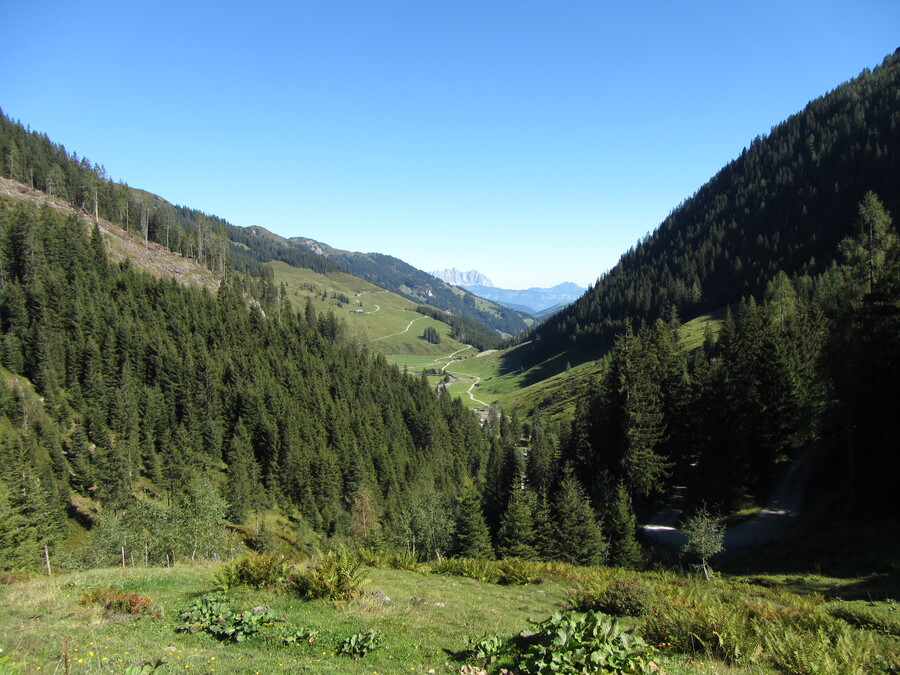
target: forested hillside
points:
(782, 206)
(153, 402)
(811, 370)
(33, 159)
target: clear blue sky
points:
(533, 141)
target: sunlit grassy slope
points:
(384, 321)
(374, 316)
(390, 325)
(754, 625)
(555, 385)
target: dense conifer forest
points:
(33, 159)
(147, 395)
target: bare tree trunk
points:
(145, 223)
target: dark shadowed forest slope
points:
(783, 205)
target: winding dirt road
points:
(475, 379)
(780, 512)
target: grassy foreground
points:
(421, 619)
(425, 621)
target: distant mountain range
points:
(534, 301)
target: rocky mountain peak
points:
(457, 278)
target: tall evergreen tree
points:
(578, 537)
(624, 550)
(472, 539)
(517, 536)
(244, 484)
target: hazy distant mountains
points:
(533, 300)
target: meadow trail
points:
(406, 330)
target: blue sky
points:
(533, 141)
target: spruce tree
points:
(579, 539)
(19, 547)
(544, 540)
(472, 539)
(624, 550)
(517, 533)
(243, 475)
(540, 469)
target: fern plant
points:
(335, 576)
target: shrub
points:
(708, 627)
(256, 570)
(359, 645)
(118, 601)
(403, 560)
(589, 643)
(334, 576)
(620, 598)
(212, 614)
(517, 571)
(471, 568)
(788, 633)
(882, 619)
